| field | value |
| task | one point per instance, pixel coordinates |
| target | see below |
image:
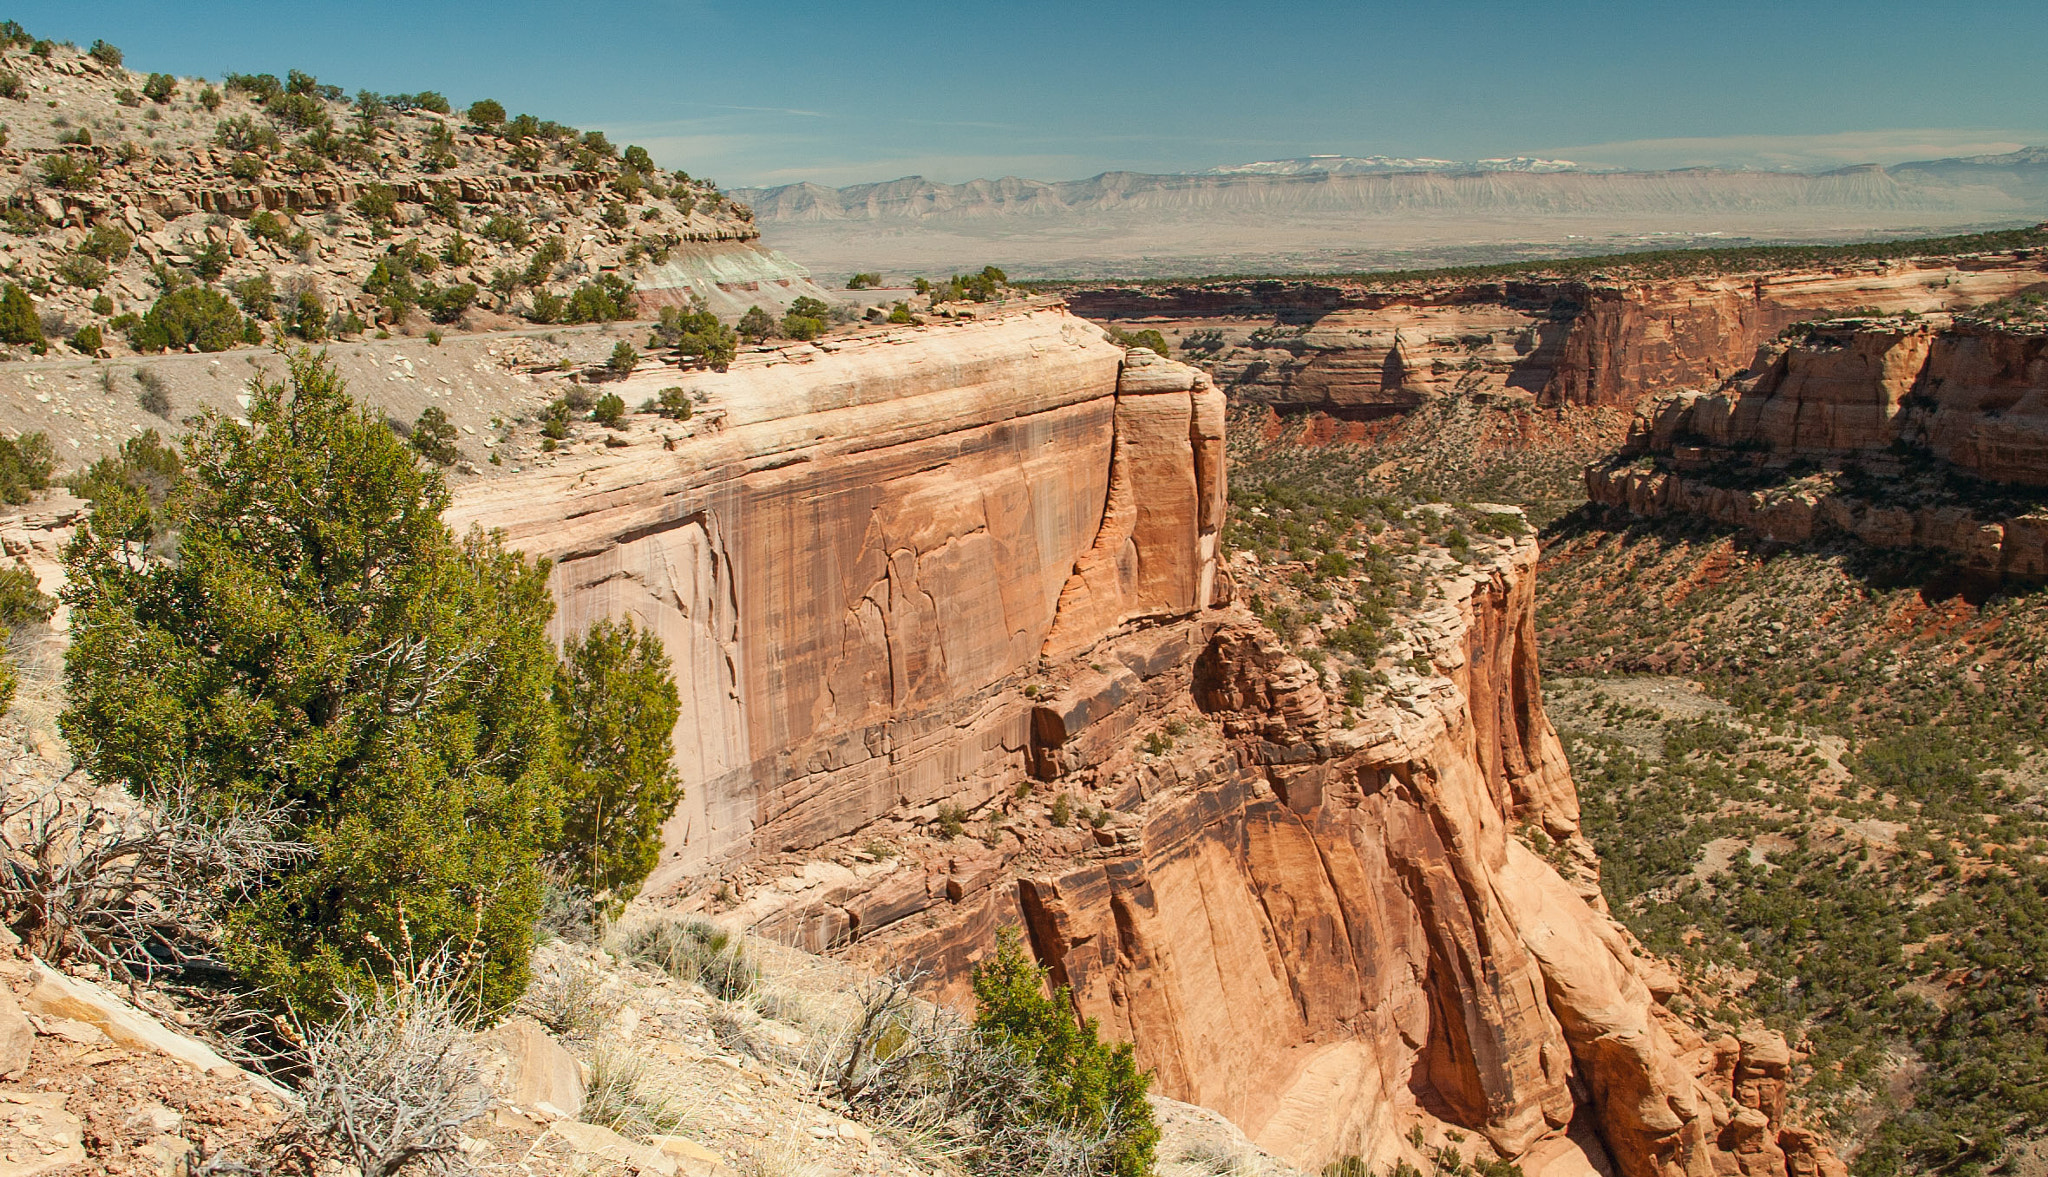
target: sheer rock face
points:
(875, 540)
(1365, 353)
(1892, 414)
(1330, 927)
(1165, 500)
(974, 562)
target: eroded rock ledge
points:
(1905, 435)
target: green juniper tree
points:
(18, 320)
(806, 318)
(756, 325)
(319, 636)
(22, 603)
(26, 463)
(618, 704)
(1084, 1083)
(696, 334)
(434, 436)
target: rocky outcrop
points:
(1974, 397)
(1328, 928)
(1166, 486)
(1360, 352)
(1303, 929)
(1906, 435)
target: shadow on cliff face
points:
(1936, 577)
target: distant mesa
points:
(1346, 165)
(1333, 213)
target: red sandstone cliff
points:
(1356, 352)
(854, 567)
(948, 575)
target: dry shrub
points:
(626, 1097)
(922, 1074)
(569, 999)
(1222, 1160)
(739, 1028)
(695, 951)
(394, 1077)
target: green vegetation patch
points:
(1857, 851)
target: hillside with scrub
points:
(152, 212)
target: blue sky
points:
(844, 92)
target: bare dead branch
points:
(140, 888)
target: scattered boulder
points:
(598, 1143)
(526, 1066)
(692, 1159)
(37, 1135)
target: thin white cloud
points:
(743, 148)
(809, 114)
(1801, 152)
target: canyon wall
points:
(868, 541)
(1362, 352)
(958, 652)
(1907, 435)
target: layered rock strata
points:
(1329, 926)
(1363, 352)
(851, 565)
(1908, 435)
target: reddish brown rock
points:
(874, 542)
(1314, 929)
(1165, 503)
(975, 563)
(1864, 397)
(1364, 353)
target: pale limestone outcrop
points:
(524, 1064)
(37, 1134)
(68, 998)
(598, 1147)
